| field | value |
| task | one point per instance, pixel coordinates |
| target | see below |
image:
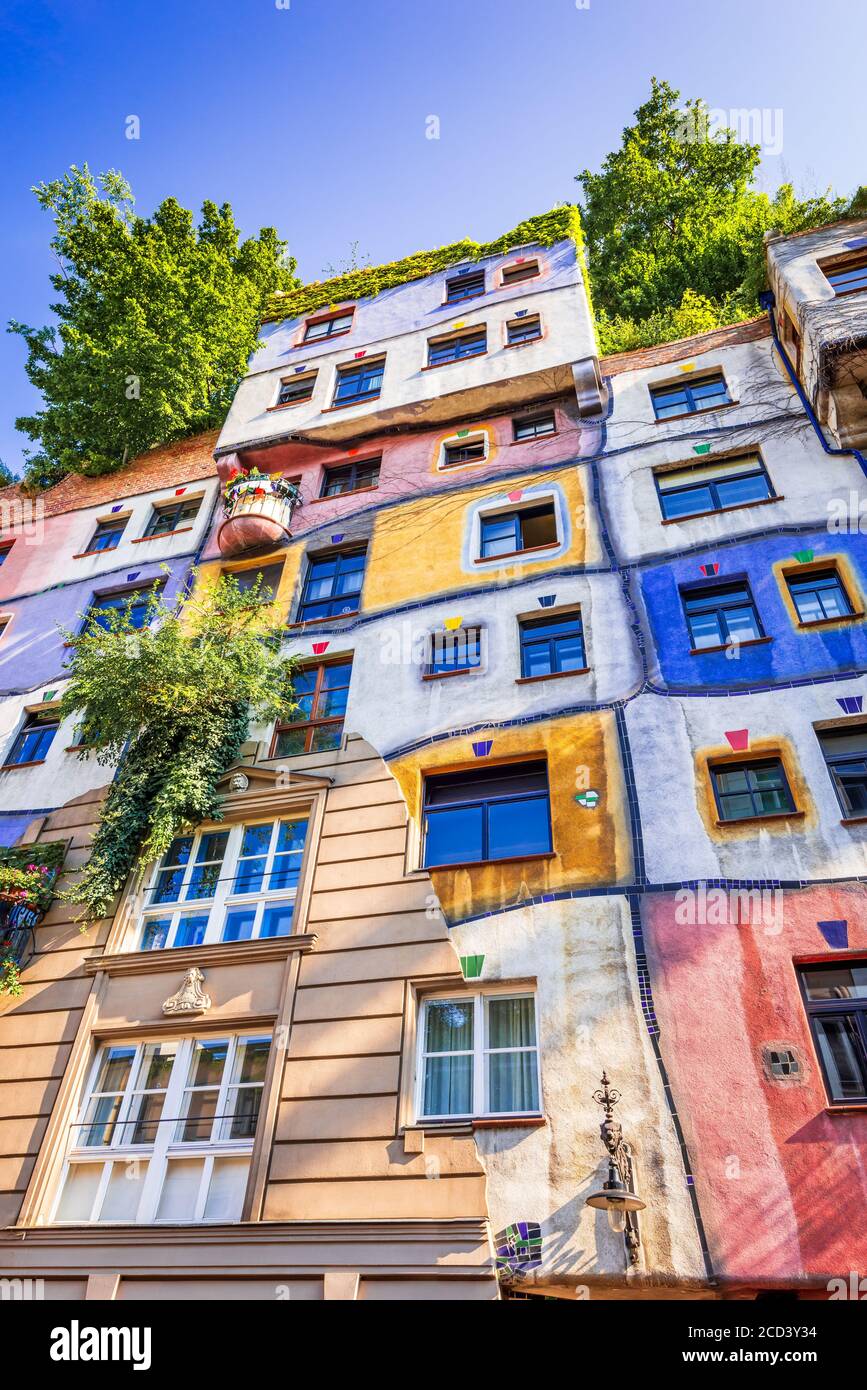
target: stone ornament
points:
(239, 782)
(190, 998)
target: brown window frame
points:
(309, 726)
(516, 274)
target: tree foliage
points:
(674, 226)
(156, 317)
(173, 702)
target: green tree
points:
(674, 226)
(6, 475)
(156, 317)
(171, 704)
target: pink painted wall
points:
(409, 464)
(798, 1205)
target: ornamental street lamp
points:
(617, 1194)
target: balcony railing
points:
(258, 513)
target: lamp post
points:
(617, 1194)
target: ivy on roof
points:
(560, 224)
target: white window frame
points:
(223, 899)
(481, 1052)
(491, 507)
(164, 1147)
(471, 437)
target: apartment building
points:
(529, 957)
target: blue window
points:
(468, 286)
(819, 596)
(845, 750)
(360, 382)
(107, 536)
(132, 604)
(456, 347)
(507, 533)
(721, 614)
(713, 487)
(700, 393)
(33, 740)
(835, 998)
(744, 791)
(524, 330)
(552, 645)
(848, 275)
(451, 652)
(333, 585)
(484, 815)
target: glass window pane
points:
(155, 933)
(100, 1118)
(511, 1022)
(277, 921)
(448, 1086)
(243, 1112)
(837, 982)
(738, 491)
(518, 828)
(114, 1068)
(449, 1025)
(180, 1189)
(79, 1191)
(454, 836)
(686, 503)
(209, 1058)
(124, 1190)
(839, 1046)
(513, 1082)
(191, 930)
(226, 1190)
(239, 924)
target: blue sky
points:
(312, 117)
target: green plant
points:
(23, 885)
(157, 318)
(171, 704)
(363, 282)
(252, 481)
(10, 977)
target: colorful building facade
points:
(532, 953)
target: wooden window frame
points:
(309, 726)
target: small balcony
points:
(258, 513)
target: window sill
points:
(444, 675)
(162, 535)
(832, 622)
(525, 342)
(692, 414)
(854, 820)
(309, 343)
(215, 953)
(760, 820)
(552, 676)
(729, 646)
(513, 554)
(86, 554)
(315, 622)
(289, 405)
(721, 511)
(335, 497)
(479, 1122)
(484, 863)
(454, 361)
(852, 1107)
(534, 438)
(11, 767)
(347, 405)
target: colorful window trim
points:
(468, 286)
(690, 397)
(750, 790)
(460, 451)
(238, 884)
(333, 584)
(317, 725)
(845, 751)
(516, 274)
(848, 275)
(819, 595)
(712, 487)
(478, 1056)
(351, 477)
(835, 1001)
(476, 817)
(510, 532)
(165, 1132)
(317, 330)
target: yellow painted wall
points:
(590, 847)
(416, 550)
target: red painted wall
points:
(781, 1182)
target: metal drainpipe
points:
(767, 300)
